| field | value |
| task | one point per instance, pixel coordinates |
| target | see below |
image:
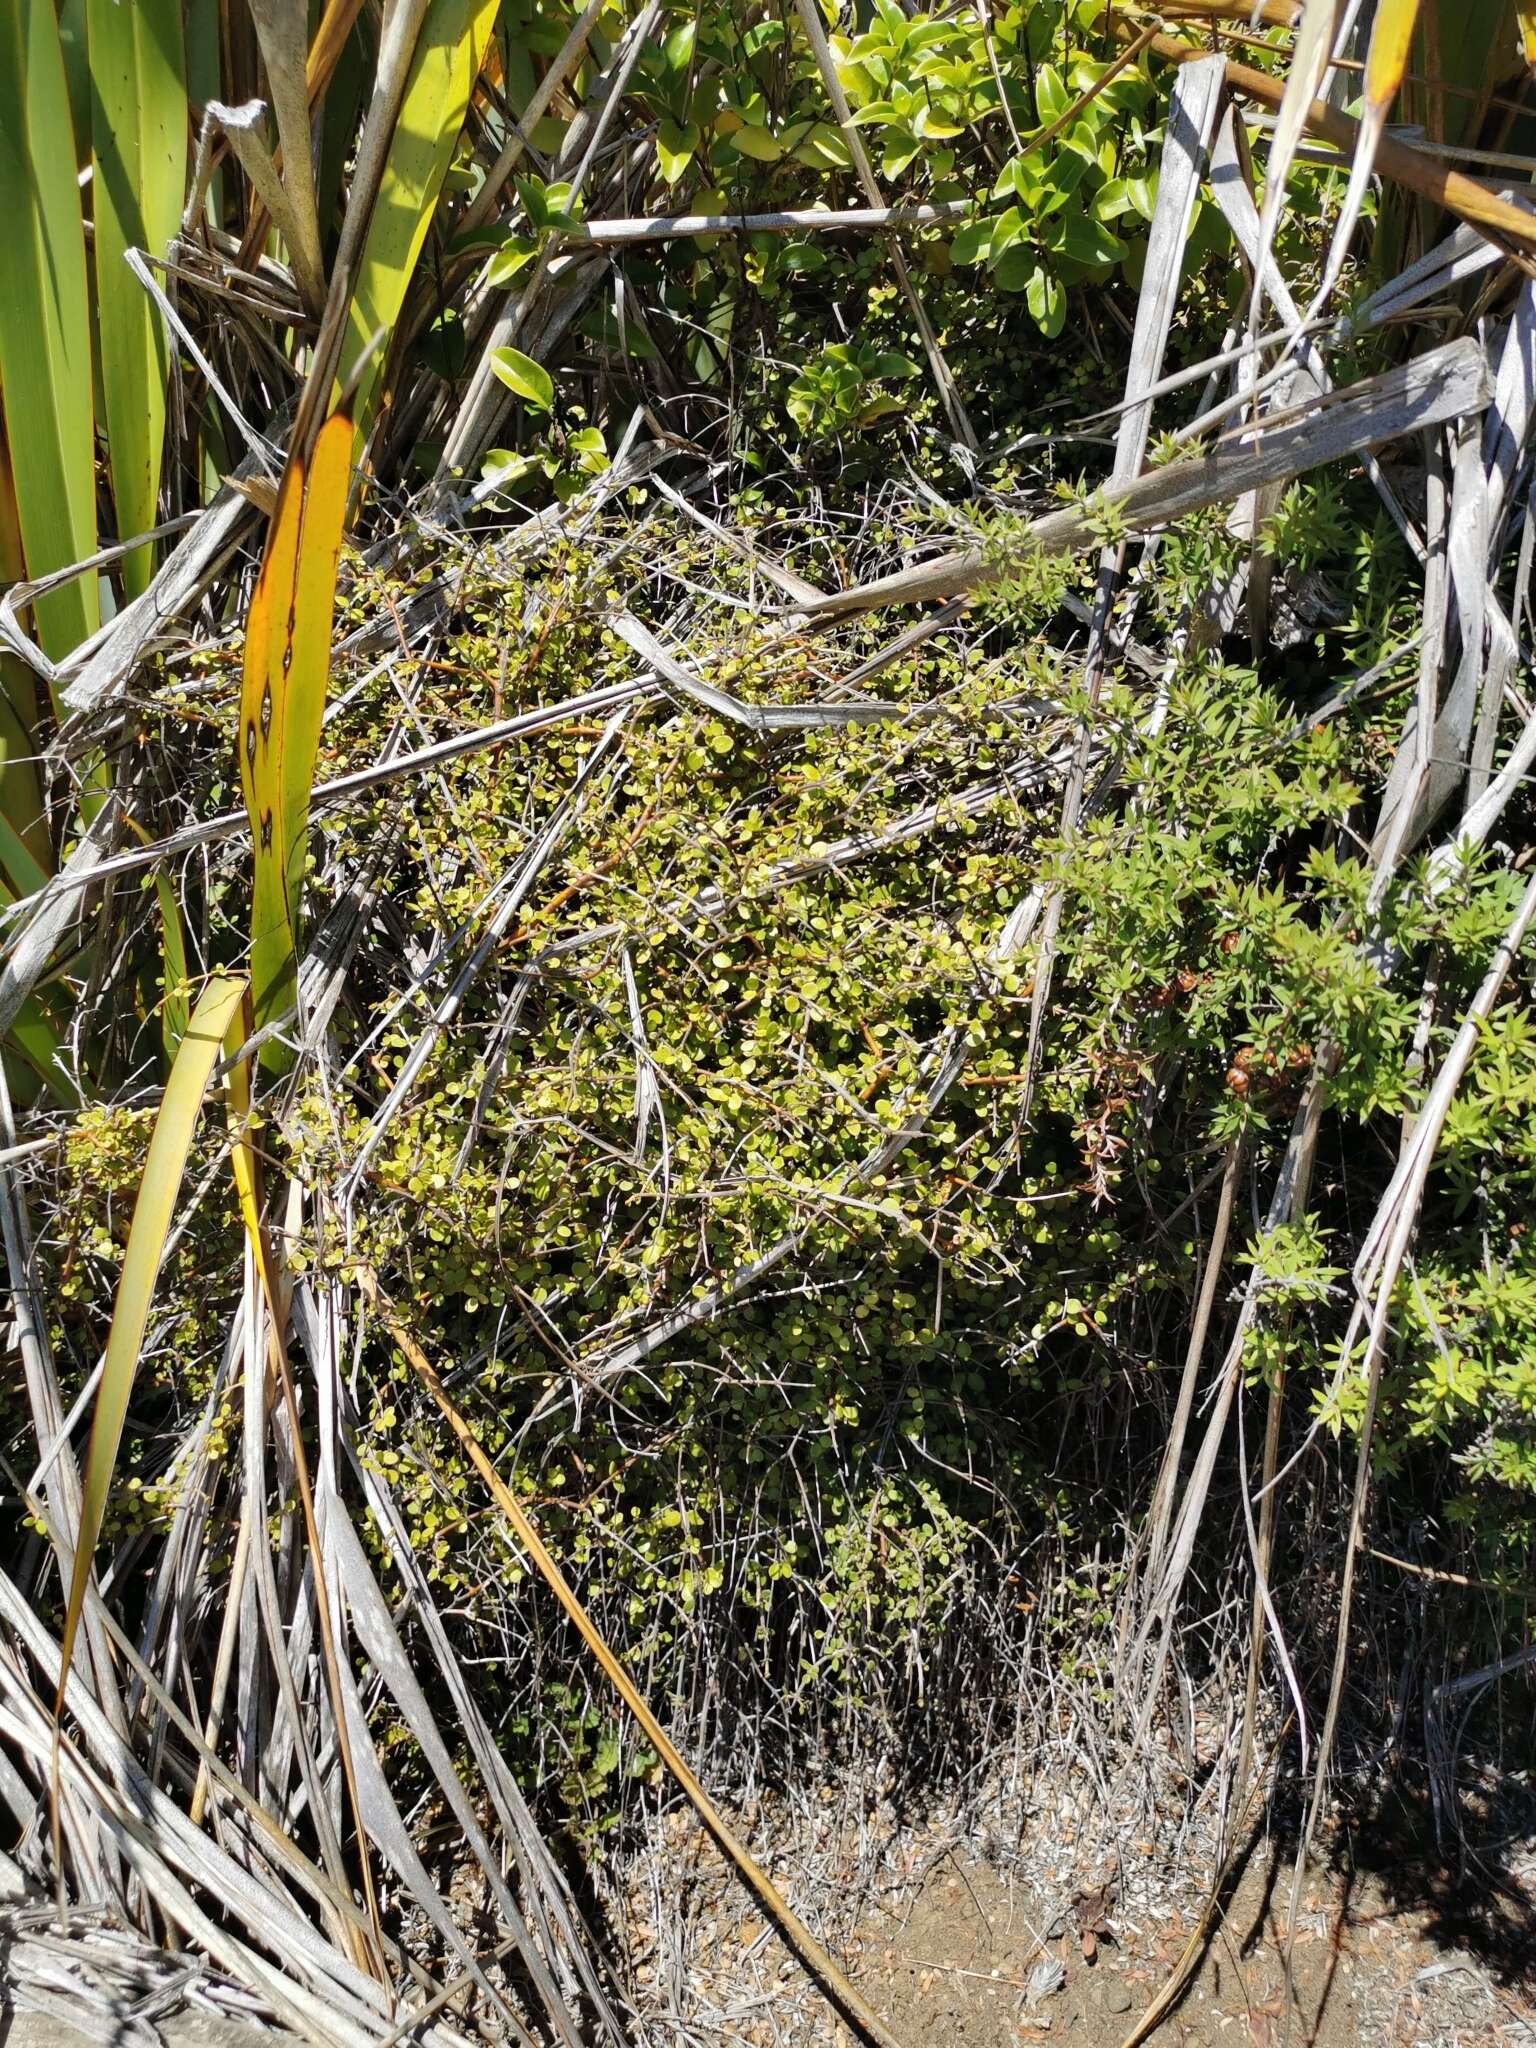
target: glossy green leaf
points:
(1047, 301)
(676, 147)
(900, 149)
(1051, 96)
(530, 380)
(758, 143)
(1014, 268)
(515, 254)
(1081, 239)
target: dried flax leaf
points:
(1192, 110)
(1502, 219)
(380, 1641)
(100, 668)
(549, 1904)
(1386, 60)
(1229, 186)
(262, 1834)
(1437, 273)
(1484, 811)
(1303, 78)
(1486, 466)
(678, 227)
(282, 28)
(1501, 657)
(1444, 384)
(1471, 533)
(244, 127)
(312, 1986)
(1512, 414)
(270, 1651)
(757, 718)
(389, 1835)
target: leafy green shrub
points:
(1211, 940)
(818, 1496)
(839, 389)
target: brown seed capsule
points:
(1187, 980)
(1237, 1080)
(1230, 942)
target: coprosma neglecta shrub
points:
(810, 1496)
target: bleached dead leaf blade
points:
(1445, 384)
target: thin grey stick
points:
(673, 227)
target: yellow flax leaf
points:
(153, 1214)
(282, 702)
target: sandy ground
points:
(959, 1948)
